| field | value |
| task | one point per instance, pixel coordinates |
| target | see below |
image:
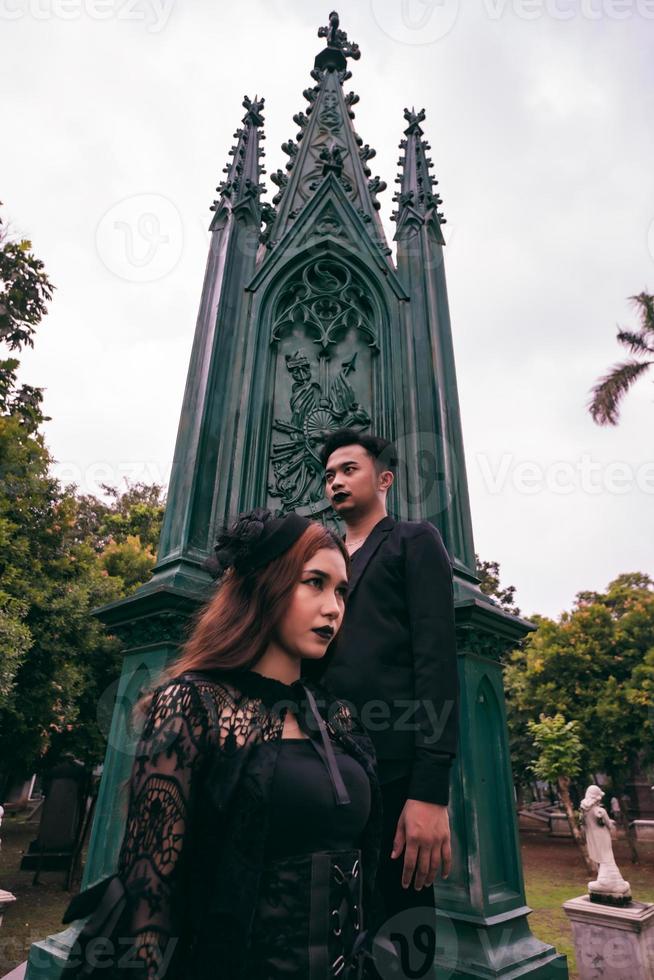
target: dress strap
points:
(326, 752)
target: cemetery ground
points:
(552, 867)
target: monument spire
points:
(417, 199)
(421, 268)
(187, 527)
(325, 144)
(242, 186)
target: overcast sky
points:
(540, 119)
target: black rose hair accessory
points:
(253, 540)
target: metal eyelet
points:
(338, 965)
(339, 874)
(337, 930)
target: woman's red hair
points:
(237, 625)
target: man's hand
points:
(424, 829)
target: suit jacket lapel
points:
(368, 549)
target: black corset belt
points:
(308, 921)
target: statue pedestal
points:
(612, 942)
(644, 829)
(6, 899)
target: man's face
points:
(352, 483)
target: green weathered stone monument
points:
(307, 324)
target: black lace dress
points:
(246, 856)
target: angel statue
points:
(609, 886)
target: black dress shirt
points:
(394, 658)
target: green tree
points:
(60, 556)
(595, 666)
(559, 760)
(25, 291)
(489, 583)
(606, 395)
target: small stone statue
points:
(610, 886)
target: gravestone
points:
(63, 810)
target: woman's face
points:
(315, 612)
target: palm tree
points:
(609, 390)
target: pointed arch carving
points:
(328, 299)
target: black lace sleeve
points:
(161, 795)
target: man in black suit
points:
(395, 661)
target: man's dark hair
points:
(382, 451)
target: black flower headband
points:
(254, 540)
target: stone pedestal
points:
(641, 796)
(612, 942)
(559, 826)
(643, 829)
(6, 899)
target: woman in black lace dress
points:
(254, 817)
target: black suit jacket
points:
(394, 658)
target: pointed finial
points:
(414, 119)
(416, 183)
(242, 183)
(254, 107)
(338, 49)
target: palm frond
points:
(635, 342)
(644, 303)
(604, 405)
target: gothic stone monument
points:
(306, 324)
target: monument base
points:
(500, 946)
(613, 942)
